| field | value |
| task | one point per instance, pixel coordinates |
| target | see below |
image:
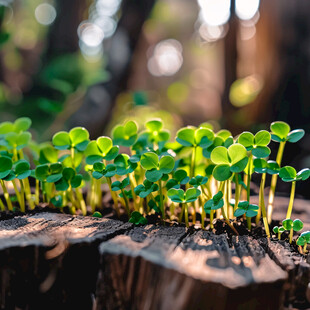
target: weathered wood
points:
(164, 268)
(50, 261)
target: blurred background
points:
(239, 64)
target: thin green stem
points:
(262, 205)
(273, 184)
(126, 202)
(237, 192)
(72, 157)
(92, 196)
(2, 207)
(228, 222)
(37, 192)
(6, 195)
(193, 162)
(22, 196)
(290, 206)
(114, 197)
(181, 214)
(248, 185)
(291, 235)
(28, 193)
(80, 197)
(186, 214)
(161, 200)
(132, 186)
(17, 193)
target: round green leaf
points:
(149, 160)
(22, 124)
(298, 225)
(275, 229)
(280, 129)
(303, 174)
(250, 213)
(287, 224)
(176, 195)
(204, 137)
(42, 172)
(272, 167)
(237, 153)
(166, 164)
(295, 135)
(6, 127)
(5, 163)
(61, 140)
(262, 138)
(62, 185)
(261, 151)
(287, 174)
(239, 212)
(186, 136)
(68, 173)
(105, 144)
(153, 175)
(54, 178)
(76, 181)
(130, 128)
(192, 194)
(22, 140)
(260, 165)
(78, 135)
(222, 172)
(220, 155)
(97, 214)
(154, 125)
(301, 241)
(246, 139)
(306, 235)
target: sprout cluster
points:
(202, 171)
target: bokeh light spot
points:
(45, 14)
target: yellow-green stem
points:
(17, 193)
(262, 205)
(114, 197)
(181, 214)
(237, 192)
(290, 206)
(22, 195)
(126, 203)
(273, 184)
(2, 207)
(161, 200)
(37, 192)
(6, 196)
(305, 248)
(193, 162)
(291, 235)
(228, 222)
(92, 196)
(28, 193)
(186, 215)
(80, 197)
(211, 219)
(132, 186)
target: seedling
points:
(179, 196)
(193, 137)
(137, 218)
(278, 230)
(120, 186)
(244, 207)
(289, 174)
(280, 132)
(303, 240)
(145, 189)
(155, 132)
(5, 169)
(179, 178)
(292, 226)
(125, 135)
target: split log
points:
(170, 268)
(50, 261)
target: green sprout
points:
(278, 230)
(120, 186)
(180, 177)
(244, 207)
(292, 226)
(137, 218)
(193, 137)
(280, 132)
(125, 135)
(289, 174)
(5, 169)
(156, 168)
(179, 196)
(145, 189)
(303, 240)
(262, 166)
(155, 133)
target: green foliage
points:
(137, 218)
(192, 137)
(278, 229)
(119, 185)
(179, 178)
(215, 203)
(289, 174)
(263, 166)
(5, 166)
(69, 178)
(280, 132)
(143, 190)
(97, 214)
(179, 196)
(228, 161)
(125, 135)
(222, 138)
(244, 207)
(304, 238)
(289, 224)
(198, 180)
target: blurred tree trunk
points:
(100, 99)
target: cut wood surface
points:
(58, 261)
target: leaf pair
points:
(100, 170)
(69, 178)
(155, 167)
(289, 174)
(222, 138)
(124, 165)
(256, 144)
(193, 137)
(263, 166)
(244, 207)
(288, 224)
(119, 185)
(100, 149)
(137, 218)
(179, 196)
(17, 141)
(179, 178)
(125, 135)
(198, 180)
(215, 203)
(20, 125)
(155, 132)
(280, 132)
(228, 161)
(77, 138)
(304, 238)
(20, 170)
(143, 190)
(5, 166)
(49, 173)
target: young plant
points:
(120, 186)
(193, 137)
(179, 196)
(5, 169)
(180, 177)
(292, 226)
(155, 133)
(125, 135)
(278, 230)
(156, 168)
(137, 218)
(303, 240)
(244, 207)
(289, 174)
(280, 132)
